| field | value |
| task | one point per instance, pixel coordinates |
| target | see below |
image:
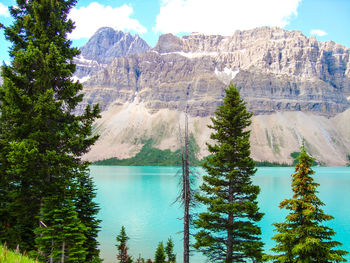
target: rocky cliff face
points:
(103, 47)
(277, 72)
(275, 69)
(107, 44)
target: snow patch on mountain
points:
(226, 75)
(81, 80)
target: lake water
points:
(141, 199)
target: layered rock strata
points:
(296, 86)
(275, 69)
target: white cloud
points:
(89, 19)
(318, 32)
(4, 10)
(223, 16)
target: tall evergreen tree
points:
(122, 247)
(302, 238)
(169, 250)
(41, 138)
(228, 229)
(87, 210)
(61, 238)
(159, 256)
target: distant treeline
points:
(150, 156)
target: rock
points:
(123, 128)
(107, 44)
(103, 47)
(275, 69)
(296, 86)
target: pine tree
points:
(140, 259)
(228, 229)
(302, 238)
(44, 139)
(159, 256)
(169, 250)
(122, 255)
(87, 210)
(61, 237)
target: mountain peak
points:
(107, 44)
(169, 43)
(296, 86)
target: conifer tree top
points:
(303, 237)
(228, 230)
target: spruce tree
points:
(140, 259)
(61, 237)
(228, 230)
(41, 138)
(122, 247)
(87, 210)
(169, 250)
(302, 237)
(159, 256)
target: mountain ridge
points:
(103, 47)
(296, 73)
(296, 86)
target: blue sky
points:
(326, 19)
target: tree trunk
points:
(187, 197)
(62, 254)
(229, 254)
(50, 258)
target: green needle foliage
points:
(41, 139)
(87, 210)
(169, 250)
(159, 256)
(123, 255)
(302, 237)
(228, 230)
(62, 237)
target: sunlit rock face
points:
(275, 69)
(103, 47)
(286, 78)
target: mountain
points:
(107, 44)
(296, 86)
(103, 47)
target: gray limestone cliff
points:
(285, 77)
(107, 44)
(103, 47)
(275, 69)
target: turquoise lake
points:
(141, 199)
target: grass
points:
(9, 256)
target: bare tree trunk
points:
(50, 258)
(62, 254)
(229, 251)
(187, 196)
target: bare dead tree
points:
(186, 195)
